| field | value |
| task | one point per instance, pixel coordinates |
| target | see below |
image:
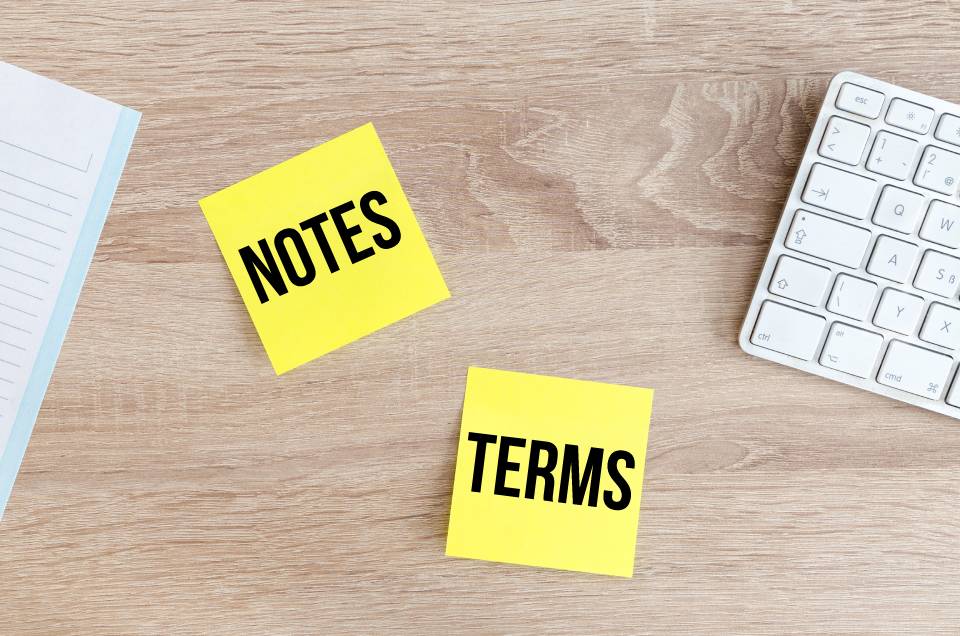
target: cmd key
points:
(915, 370)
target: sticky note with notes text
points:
(324, 248)
(549, 472)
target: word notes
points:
(324, 248)
(549, 472)
(61, 154)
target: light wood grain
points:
(599, 182)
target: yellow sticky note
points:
(549, 472)
(324, 248)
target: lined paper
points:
(54, 142)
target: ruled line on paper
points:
(9, 362)
(36, 183)
(22, 311)
(43, 156)
(17, 271)
(20, 291)
(15, 346)
(45, 206)
(29, 238)
(32, 220)
(32, 258)
(7, 324)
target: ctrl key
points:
(789, 331)
(915, 370)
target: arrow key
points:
(851, 350)
(799, 280)
(844, 140)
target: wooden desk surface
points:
(599, 183)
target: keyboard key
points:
(789, 331)
(892, 259)
(826, 238)
(898, 209)
(892, 155)
(898, 311)
(938, 274)
(840, 191)
(915, 370)
(799, 280)
(844, 140)
(909, 116)
(942, 225)
(948, 129)
(851, 350)
(953, 398)
(852, 297)
(942, 326)
(938, 170)
(859, 100)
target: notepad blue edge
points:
(66, 302)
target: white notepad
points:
(61, 154)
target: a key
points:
(898, 311)
(843, 140)
(938, 170)
(851, 350)
(942, 326)
(942, 224)
(852, 297)
(799, 280)
(827, 238)
(892, 259)
(948, 129)
(859, 100)
(787, 330)
(915, 370)
(938, 274)
(898, 209)
(892, 155)
(909, 116)
(839, 190)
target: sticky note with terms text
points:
(549, 472)
(324, 248)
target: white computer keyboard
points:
(861, 282)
